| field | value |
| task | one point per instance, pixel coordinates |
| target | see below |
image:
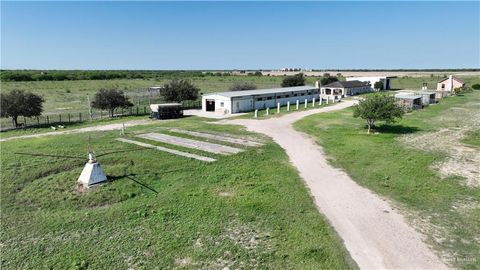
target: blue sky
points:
(239, 35)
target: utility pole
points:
(89, 108)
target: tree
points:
(328, 79)
(377, 107)
(238, 86)
(110, 99)
(295, 80)
(20, 103)
(180, 89)
(378, 85)
(258, 73)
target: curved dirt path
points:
(376, 235)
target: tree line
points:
(73, 75)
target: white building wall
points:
(250, 103)
(371, 80)
(242, 104)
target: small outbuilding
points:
(409, 101)
(345, 88)
(428, 97)
(166, 110)
(449, 84)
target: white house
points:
(372, 80)
(249, 100)
(344, 88)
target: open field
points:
(71, 96)
(400, 164)
(374, 73)
(229, 213)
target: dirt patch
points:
(225, 194)
(182, 262)
(461, 159)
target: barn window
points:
(287, 96)
(259, 99)
(221, 104)
(269, 98)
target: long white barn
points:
(249, 100)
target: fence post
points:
(137, 111)
(80, 116)
(144, 110)
(24, 122)
(48, 120)
(60, 118)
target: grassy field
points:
(71, 96)
(413, 83)
(396, 163)
(230, 213)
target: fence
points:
(79, 117)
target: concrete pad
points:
(171, 151)
(189, 143)
(218, 137)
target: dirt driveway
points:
(376, 235)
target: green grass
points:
(417, 82)
(68, 126)
(472, 139)
(385, 165)
(205, 215)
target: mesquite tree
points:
(110, 99)
(20, 103)
(377, 107)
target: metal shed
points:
(409, 101)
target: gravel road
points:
(376, 235)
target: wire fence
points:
(54, 120)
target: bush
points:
(110, 99)
(295, 80)
(238, 86)
(476, 86)
(328, 79)
(179, 90)
(378, 85)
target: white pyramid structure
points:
(92, 173)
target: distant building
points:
(345, 88)
(372, 80)
(249, 100)
(449, 84)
